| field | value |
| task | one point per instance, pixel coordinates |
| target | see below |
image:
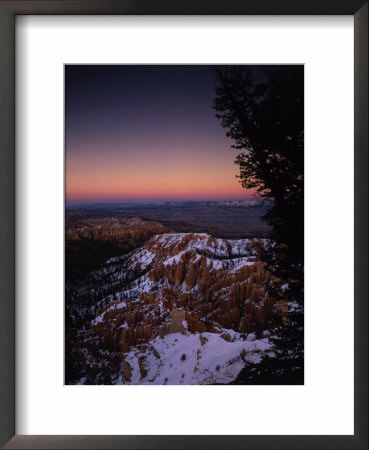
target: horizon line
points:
(100, 202)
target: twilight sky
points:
(145, 133)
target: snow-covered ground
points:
(205, 358)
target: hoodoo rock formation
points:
(178, 284)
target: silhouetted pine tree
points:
(263, 112)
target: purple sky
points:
(146, 133)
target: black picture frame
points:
(8, 12)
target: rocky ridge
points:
(112, 229)
(183, 284)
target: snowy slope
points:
(204, 358)
(186, 313)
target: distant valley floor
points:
(232, 219)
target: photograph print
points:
(184, 224)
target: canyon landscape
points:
(184, 225)
(179, 308)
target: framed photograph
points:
(166, 250)
(184, 224)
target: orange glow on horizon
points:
(124, 180)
